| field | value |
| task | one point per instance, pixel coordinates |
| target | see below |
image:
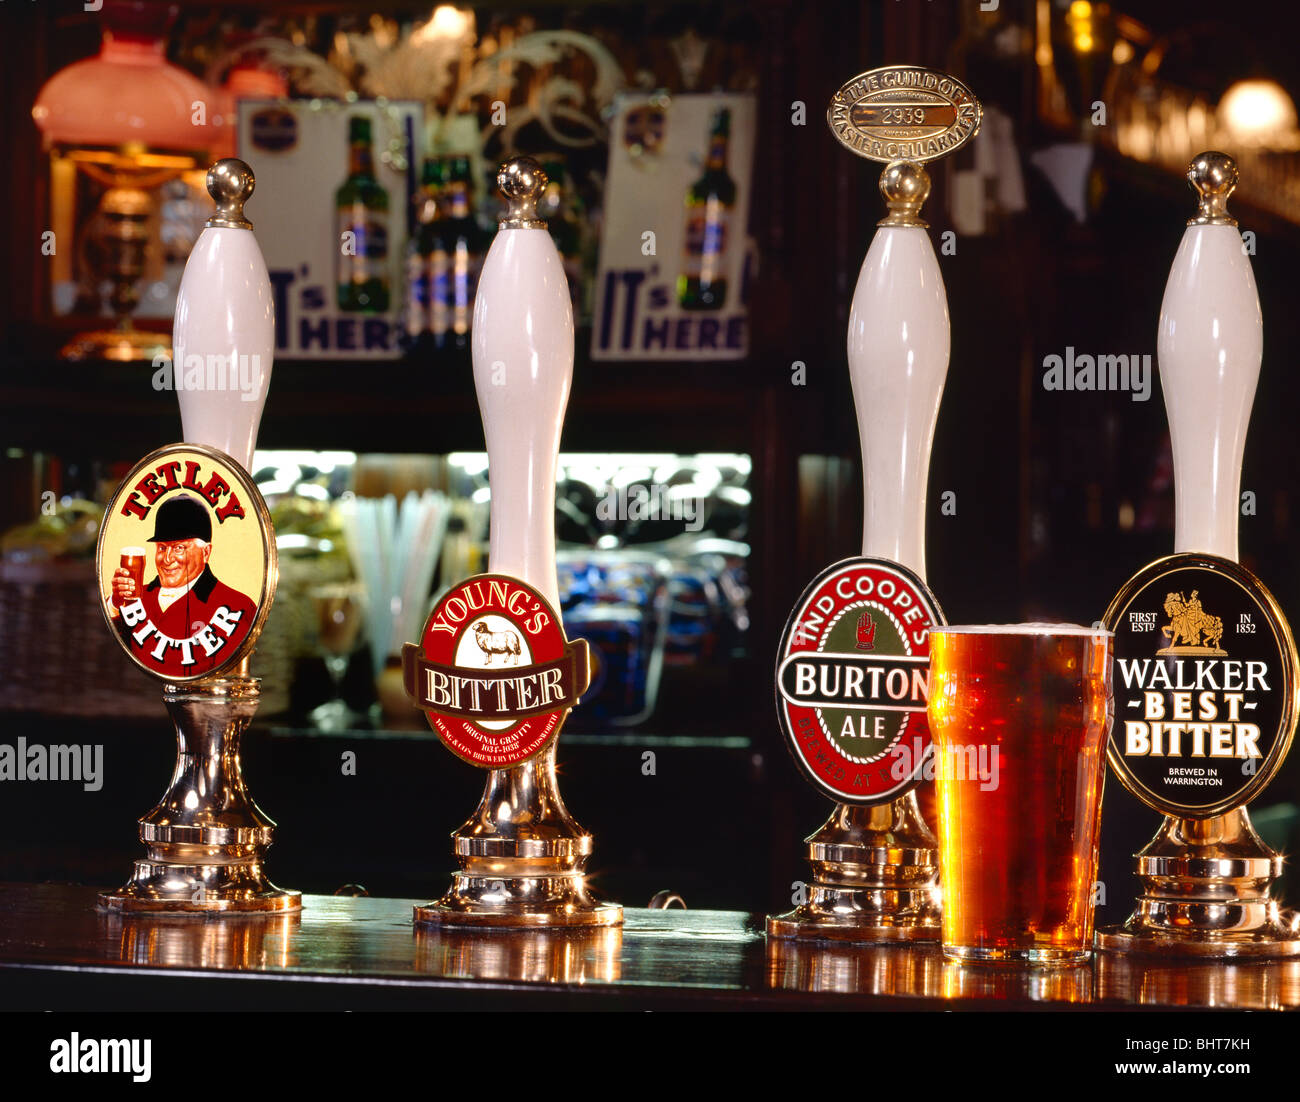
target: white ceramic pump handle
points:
(1210, 345)
(223, 336)
(898, 348)
(523, 368)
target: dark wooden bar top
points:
(58, 952)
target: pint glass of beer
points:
(133, 563)
(1019, 715)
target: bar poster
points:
(671, 283)
(331, 214)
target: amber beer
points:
(1019, 715)
(133, 564)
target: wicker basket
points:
(58, 656)
(56, 652)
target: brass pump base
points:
(522, 859)
(875, 878)
(520, 883)
(206, 840)
(1205, 893)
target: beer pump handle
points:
(523, 368)
(223, 338)
(522, 856)
(898, 348)
(1210, 345)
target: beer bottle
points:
(710, 201)
(461, 246)
(417, 320)
(362, 206)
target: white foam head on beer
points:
(1020, 629)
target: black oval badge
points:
(1205, 685)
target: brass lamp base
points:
(522, 859)
(875, 878)
(206, 840)
(125, 345)
(1206, 894)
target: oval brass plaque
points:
(904, 113)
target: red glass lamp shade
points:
(128, 93)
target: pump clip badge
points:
(186, 563)
(493, 671)
(851, 680)
(1206, 673)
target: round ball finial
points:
(230, 183)
(1214, 177)
(522, 181)
(905, 186)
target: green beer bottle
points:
(362, 206)
(702, 284)
(461, 244)
(417, 319)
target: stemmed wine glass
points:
(340, 617)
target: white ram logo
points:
(492, 643)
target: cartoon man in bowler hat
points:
(185, 596)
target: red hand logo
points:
(866, 632)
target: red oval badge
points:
(493, 671)
(851, 680)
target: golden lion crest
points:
(1190, 629)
